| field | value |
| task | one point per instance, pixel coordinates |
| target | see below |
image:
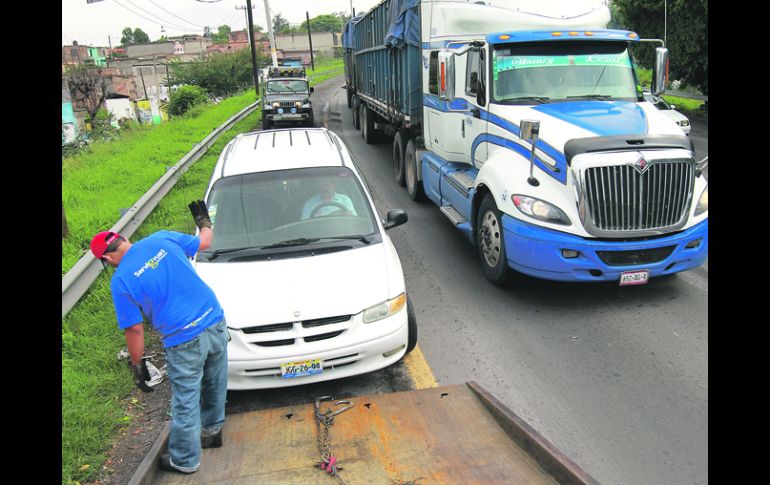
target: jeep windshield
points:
(297, 208)
(540, 73)
(292, 86)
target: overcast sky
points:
(92, 23)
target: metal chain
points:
(328, 461)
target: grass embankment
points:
(95, 186)
(687, 106)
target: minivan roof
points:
(282, 149)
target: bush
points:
(184, 98)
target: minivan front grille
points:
(620, 198)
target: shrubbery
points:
(184, 98)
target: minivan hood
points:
(290, 290)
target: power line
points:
(147, 18)
(165, 22)
(177, 16)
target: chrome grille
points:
(286, 104)
(622, 199)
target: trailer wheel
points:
(356, 113)
(412, 326)
(350, 97)
(414, 186)
(367, 124)
(490, 242)
(398, 157)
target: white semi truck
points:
(526, 124)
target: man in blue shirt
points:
(155, 280)
(328, 202)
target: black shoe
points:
(211, 440)
(165, 463)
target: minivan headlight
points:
(385, 309)
(540, 210)
(703, 202)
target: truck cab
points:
(534, 138)
(286, 97)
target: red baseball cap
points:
(100, 242)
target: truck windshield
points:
(559, 71)
(286, 86)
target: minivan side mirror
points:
(396, 217)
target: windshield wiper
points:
(291, 242)
(358, 237)
(539, 99)
(592, 96)
(218, 252)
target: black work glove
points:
(200, 213)
(141, 374)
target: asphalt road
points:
(617, 378)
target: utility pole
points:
(310, 40)
(270, 33)
(252, 44)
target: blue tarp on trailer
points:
(404, 25)
(347, 33)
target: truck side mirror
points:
(659, 71)
(446, 74)
(396, 217)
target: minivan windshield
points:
(287, 86)
(296, 207)
(559, 71)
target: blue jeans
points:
(197, 370)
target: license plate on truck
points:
(634, 277)
(299, 369)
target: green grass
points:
(686, 105)
(96, 185)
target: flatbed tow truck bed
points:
(442, 435)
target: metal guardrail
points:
(81, 276)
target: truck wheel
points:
(490, 242)
(350, 97)
(367, 124)
(411, 166)
(265, 124)
(412, 325)
(398, 158)
(310, 121)
(356, 113)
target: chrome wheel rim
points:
(490, 239)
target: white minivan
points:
(311, 284)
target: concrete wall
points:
(323, 42)
(121, 108)
(145, 50)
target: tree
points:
(88, 87)
(219, 75)
(323, 23)
(136, 36)
(280, 24)
(140, 37)
(686, 35)
(220, 37)
(128, 36)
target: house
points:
(76, 55)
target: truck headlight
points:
(703, 202)
(540, 210)
(385, 309)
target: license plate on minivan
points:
(634, 277)
(299, 369)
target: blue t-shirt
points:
(156, 278)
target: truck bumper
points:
(537, 251)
